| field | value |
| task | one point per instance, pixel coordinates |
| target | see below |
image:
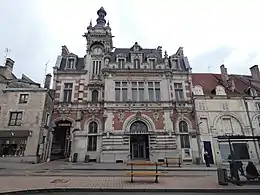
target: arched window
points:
(92, 128)
(94, 96)
(138, 127)
(92, 138)
(183, 127)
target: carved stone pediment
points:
(121, 55)
(151, 55)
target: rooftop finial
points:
(101, 17)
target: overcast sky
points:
(212, 32)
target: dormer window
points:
(137, 64)
(152, 63)
(253, 92)
(70, 63)
(197, 90)
(121, 63)
(220, 90)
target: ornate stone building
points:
(116, 104)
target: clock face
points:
(97, 51)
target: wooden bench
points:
(173, 161)
(133, 172)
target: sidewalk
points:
(8, 184)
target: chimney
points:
(64, 50)
(9, 64)
(159, 49)
(255, 72)
(224, 74)
(47, 82)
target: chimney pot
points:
(224, 74)
(47, 82)
(9, 64)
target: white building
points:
(221, 110)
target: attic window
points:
(253, 92)
(152, 62)
(197, 90)
(70, 63)
(220, 90)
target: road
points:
(137, 193)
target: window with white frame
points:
(96, 67)
(154, 91)
(70, 63)
(137, 64)
(15, 119)
(138, 91)
(121, 91)
(225, 106)
(121, 63)
(179, 93)
(92, 136)
(67, 92)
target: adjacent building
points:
(226, 105)
(117, 104)
(25, 116)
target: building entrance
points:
(139, 141)
(61, 143)
(139, 147)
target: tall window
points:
(154, 91)
(183, 127)
(152, 63)
(15, 119)
(70, 64)
(141, 91)
(121, 63)
(92, 136)
(185, 141)
(67, 92)
(179, 94)
(121, 91)
(94, 96)
(137, 64)
(184, 136)
(96, 67)
(134, 91)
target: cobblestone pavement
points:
(21, 183)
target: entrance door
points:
(207, 147)
(139, 147)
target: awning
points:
(14, 133)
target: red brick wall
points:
(159, 124)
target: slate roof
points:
(79, 64)
(127, 52)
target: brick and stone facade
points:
(123, 103)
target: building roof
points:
(209, 82)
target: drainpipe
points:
(251, 126)
(196, 120)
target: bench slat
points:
(143, 173)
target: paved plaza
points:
(12, 183)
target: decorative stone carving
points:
(106, 62)
(138, 115)
(156, 116)
(121, 116)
